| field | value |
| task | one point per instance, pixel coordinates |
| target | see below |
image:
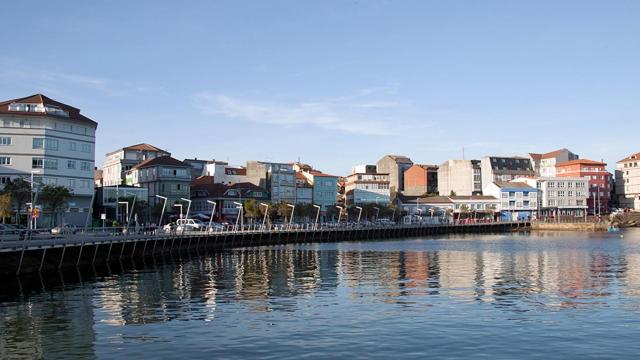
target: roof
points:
(515, 163)
(512, 185)
(400, 159)
(553, 154)
(143, 147)
(74, 113)
(202, 180)
(474, 197)
(582, 162)
(535, 156)
(162, 160)
(219, 190)
(425, 167)
(632, 157)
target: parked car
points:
(190, 225)
(64, 229)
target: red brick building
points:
(421, 179)
(599, 182)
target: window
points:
(72, 146)
(5, 160)
(86, 148)
(71, 164)
(5, 140)
(84, 184)
(5, 179)
(47, 144)
(72, 183)
(85, 166)
(42, 163)
(49, 181)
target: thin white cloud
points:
(351, 114)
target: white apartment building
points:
(518, 200)
(223, 173)
(560, 196)
(463, 177)
(549, 161)
(372, 188)
(119, 162)
(628, 182)
(53, 141)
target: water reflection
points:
(508, 274)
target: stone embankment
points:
(583, 226)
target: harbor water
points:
(547, 295)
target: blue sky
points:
(336, 83)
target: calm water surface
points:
(540, 296)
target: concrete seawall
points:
(569, 226)
(28, 258)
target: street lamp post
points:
(180, 206)
(377, 212)
(126, 203)
(339, 215)
(317, 216)
(188, 206)
(266, 215)
(293, 211)
(213, 211)
(164, 205)
(240, 210)
(359, 213)
(32, 205)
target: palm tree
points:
(464, 209)
(252, 209)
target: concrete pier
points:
(22, 256)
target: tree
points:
(20, 191)
(5, 206)
(464, 209)
(252, 209)
(54, 198)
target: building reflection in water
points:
(281, 278)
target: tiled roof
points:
(162, 160)
(400, 159)
(475, 197)
(508, 185)
(553, 154)
(74, 113)
(144, 147)
(632, 157)
(535, 156)
(581, 162)
(202, 180)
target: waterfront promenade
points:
(29, 252)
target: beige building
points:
(462, 177)
(628, 182)
(395, 166)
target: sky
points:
(336, 83)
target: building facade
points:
(223, 173)
(502, 169)
(56, 143)
(372, 188)
(599, 182)
(421, 179)
(198, 167)
(518, 200)
(119, 162)
(163, 176)
(628, 182)
(277, 178)
(460, 177)
(549, 161)
(395, 166)
(225, 196)
(304, 189)
(560, 197)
